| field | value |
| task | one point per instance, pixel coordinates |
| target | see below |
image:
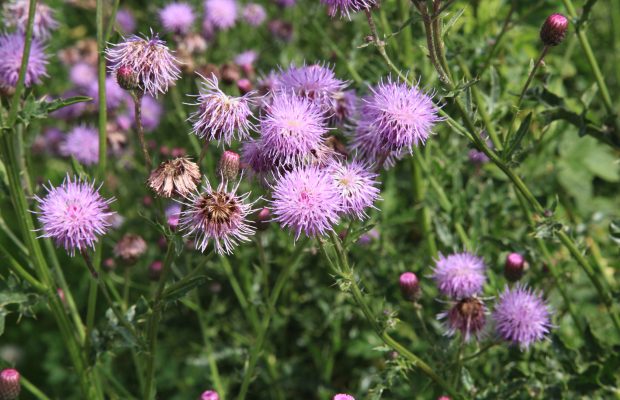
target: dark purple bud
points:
(554, 30)
(126, 78)
(514, 267)
(9, 384)
(409, 286)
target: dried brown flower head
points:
(175, 177)
(130, 248)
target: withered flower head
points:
(130, 248)
(175, 177)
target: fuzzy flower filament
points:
(357, 186)
(11, 51)
(459, 275)
(74, 214)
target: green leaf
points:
(34, 109)
(515, 141)
(181, 288)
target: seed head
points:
(130, 248)
(177, 177)
(467, 316)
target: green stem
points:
(282, 278)
(249, 311)
(22, 273)
(101, 79)
(90, 313)
(420, 198)
(416, 361)
(153, 324)
(137, 102)
(587, 49)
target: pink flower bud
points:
(263, 218)
(244, 85)
(554, 30)
(155, 270)
(409, 286)
(514, 267)
(229, 165)
(126, 78)
(209, 395)
(342, 396)
(9, 384)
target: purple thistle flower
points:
(467, 316)
(367, 144)
(246, 59)
(219, 116)
(357, 186)
(83, 74)
(11, 51)
(173, 215)
(306, 200)
(82, 142)
(318, 83)
(15, 15)
(125, 21)
(291, 129)
(177, 17)
(114, 94)
(74, 214)
(459, 275)
(219, 215)
(221, 14)
(254, 14)
(345, 107)
(366, 238)
(400, 116)
(346, 7)
(151, 113)
(253, 157)
(521, 316)
(209, 395)
(151, 61)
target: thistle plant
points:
(364, 199)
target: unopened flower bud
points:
(443, 398)
(126, 78)
(263, 218)
(177, 152)
(554, 30)
(230, 73)
(155, 270)
(244, 85)
(514, 267)
(9, 384)
(409, 286)
(109, 264)
(209, 395)
(342, 396)
(229, 165)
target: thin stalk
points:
(32, 389)
(282, 278)
(153, 324)
(250, 313)
(416, 361)
(22, 273)
(90, 313)
(215, 372)
(112, 20)
(137, 102)
(587, 49)
(101, 78)
(480, 352)
(19, 88)
(419, 190)
(380, 45)
(437, 40)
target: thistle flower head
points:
(125, 21)
(11, 51)
(217, 214)
(221, 14)
(83, 74)
(400, 116)
(307, 201)
(316, 82)
(177, 17)
(345, 107)
(521, 316)
(10, 386)
(367, 144)
(130, 248)
(342, 396)
(253, 157)
(254, 14)
(149, 58)
(554, 30)
(219, 116)
(82, 142)
(246, 59)
(459, 275)
(74, 214)
(177, 177)
(291, 129)
(357, 186)
(15, 14)
(346, 7)
(467, 316)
